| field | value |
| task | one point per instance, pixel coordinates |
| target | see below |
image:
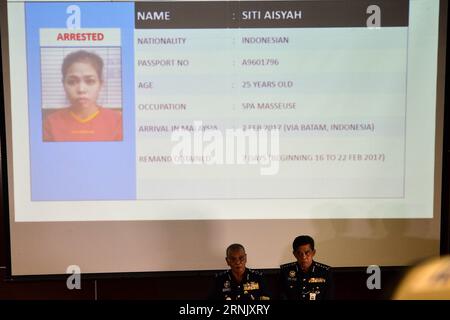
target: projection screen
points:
(147, 136)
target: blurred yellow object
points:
(429, 280)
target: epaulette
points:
(259, 273)
(288, 265)
(321, 265)
(220, 274)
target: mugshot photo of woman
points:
(84, 119)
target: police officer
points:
(305, 279)
(239, 282)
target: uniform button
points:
(303, 287)
(303, 296)
(304, 279)
(239, 286)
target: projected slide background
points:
(355, 105)
(334, 90)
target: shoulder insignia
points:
(288, 265)
(221, 274)
(259, 273)
(323, 266)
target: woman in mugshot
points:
(83, 119)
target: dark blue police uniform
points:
(312, 285)
(252, 287)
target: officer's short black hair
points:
(302, 240)
(234, 247)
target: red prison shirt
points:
(63, 125)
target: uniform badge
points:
(316, 280)
(291, 273)
(251, 286)
(226, 286)
(312, 296)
